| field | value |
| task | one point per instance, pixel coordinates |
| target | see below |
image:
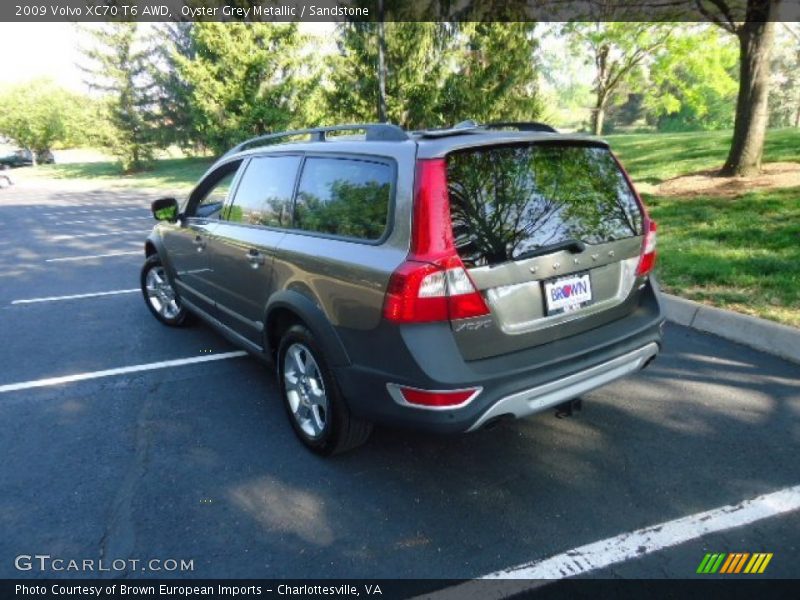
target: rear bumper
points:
(537, 399)
(517, 384)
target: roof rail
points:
(470, 126)
(521, 126)
(375, 132)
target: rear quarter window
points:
(508, 200)
(344, 197)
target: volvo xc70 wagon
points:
(442, 279)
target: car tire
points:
(159, 296)
(314, 403)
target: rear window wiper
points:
(574, 246)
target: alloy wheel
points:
(305, 390)
(160, 294)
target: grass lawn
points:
(737, 253)
(652, 158)
(166, 173)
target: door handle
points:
(200, 243)
(255, 258)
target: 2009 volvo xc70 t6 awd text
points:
(440, 279)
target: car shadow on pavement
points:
(709, 424)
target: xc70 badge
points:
(473, 325)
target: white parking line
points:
(74, 296)
(91, 235)
(36, 383)
(626, 546)
(94, 221)
(92, 256)
(98, 210)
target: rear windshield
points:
(506, 202)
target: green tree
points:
(617, 50)
(495, 74)
(691, 88)
(172, 93)
(118, 65)
(436, 73)
(38, 115)
(244, 80)
(417, 56)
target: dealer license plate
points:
(567, 293)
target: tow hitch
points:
(568, 408)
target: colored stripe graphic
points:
(733, 563)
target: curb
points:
(774, 338)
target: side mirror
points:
(165, 209)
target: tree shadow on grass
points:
(166, 172)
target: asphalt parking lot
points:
(197, 460)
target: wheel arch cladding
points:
(288, 307)
(155, 245)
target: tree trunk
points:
(755, 47)
(598, 115)
(601, 88)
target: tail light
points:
(432, 285)
(420, 292)
(434, 399)
(648, 258)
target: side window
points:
(344, 197)
(211, 204)
(264, 195)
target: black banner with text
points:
(399, 10)
(397, 589)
